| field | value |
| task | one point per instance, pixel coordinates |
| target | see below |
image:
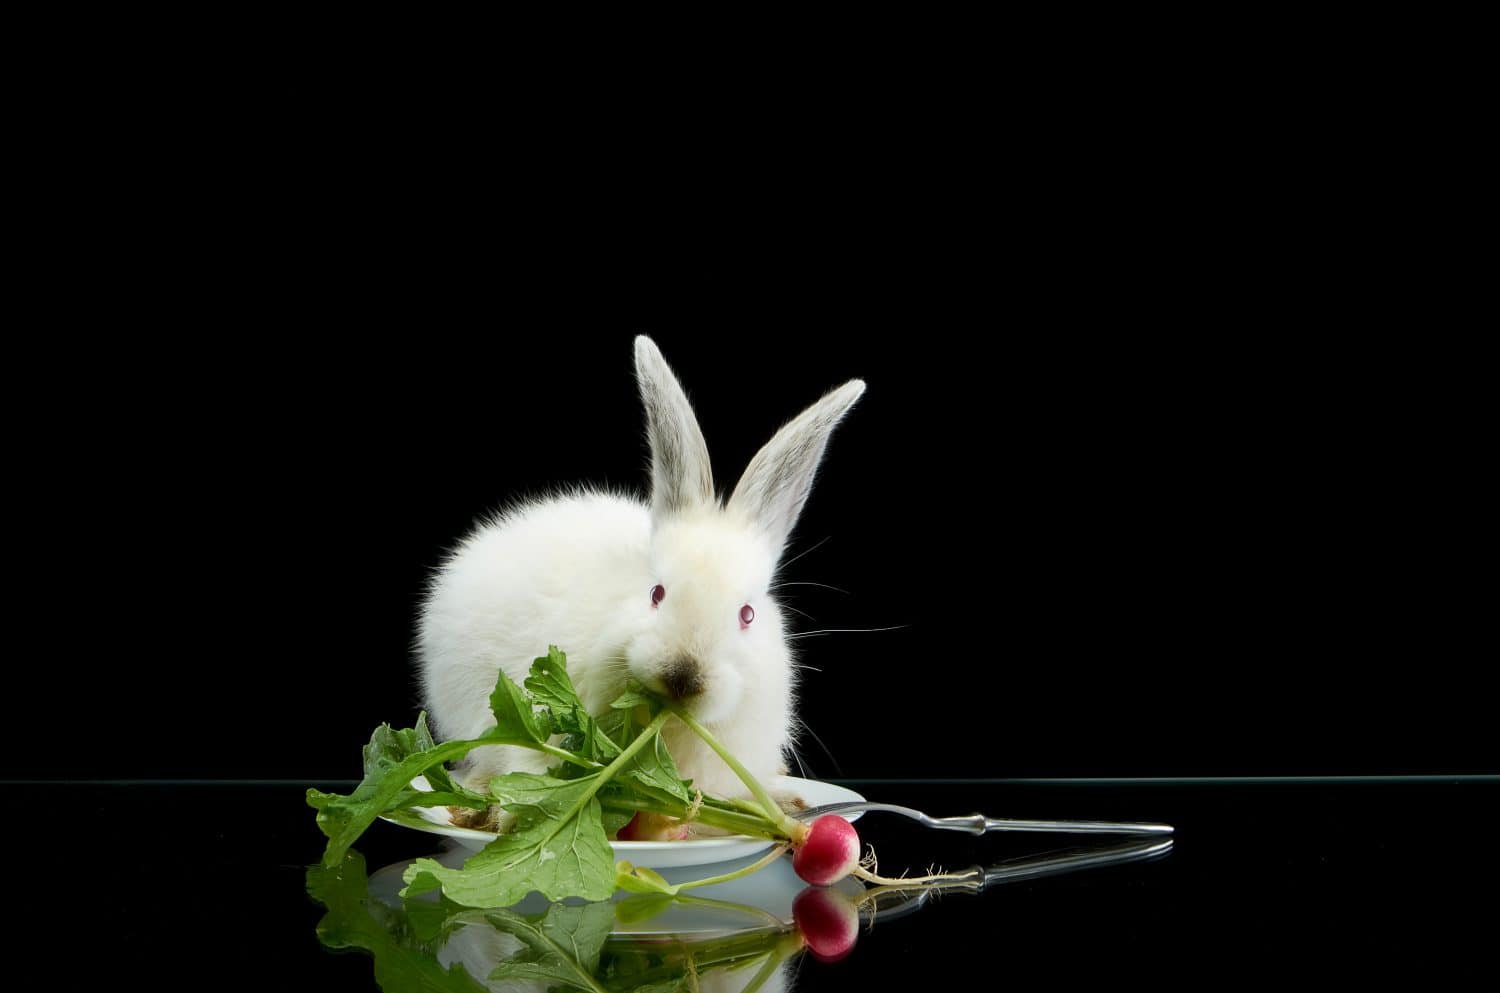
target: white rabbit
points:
(675, 591)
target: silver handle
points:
(980, 824)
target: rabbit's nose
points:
(683, 677)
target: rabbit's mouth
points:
(683, 679)
(710, 695)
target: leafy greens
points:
(607, 768)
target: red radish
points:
(829, 853)
(653, 827)
(828, 922)
(823, 852)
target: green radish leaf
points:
(641, 879)
(653, 770)
(550, 685)
(533, 796)
(619, 727)
(559, 843)
(388, 774)
(516, 717)
(436, 798)
(589, 738)
(614, 820)
(557, 848)
(392, 759)
(388, 746)
(437, 776)
(421, 739)
(635, 695)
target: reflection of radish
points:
(653, 827)
(828, 921)
(830, 852)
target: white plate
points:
(656, 854)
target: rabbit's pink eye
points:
(747, 614)
(658, 594)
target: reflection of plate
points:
(767, 892)
(656, 854)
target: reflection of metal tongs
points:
(895, 901)
(980, 824)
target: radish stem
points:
(770, 857)
(699, 901)
(795, 830)
(753, 825)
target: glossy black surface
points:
(194, 886)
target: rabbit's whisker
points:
(808, 728)
(797, 757)
(825, 586)
(814, 634)
(808, 552)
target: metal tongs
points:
(980, 824)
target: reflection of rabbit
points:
(480, 948)
(726, 981)
(675, 591)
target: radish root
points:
(868, 866)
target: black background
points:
(1165, 467)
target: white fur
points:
(577, 571)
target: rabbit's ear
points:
(680, 474)
(778, 479)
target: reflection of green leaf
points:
(580, 929)
(561, 948)
(642, 907)
(557, 848)
(666, 986)
(429, 919)
(355, 920)
(570, 947)
(641, 967)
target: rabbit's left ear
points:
(681, 477)
(777, 481)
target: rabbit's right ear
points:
(680, 474)
(778, 479)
